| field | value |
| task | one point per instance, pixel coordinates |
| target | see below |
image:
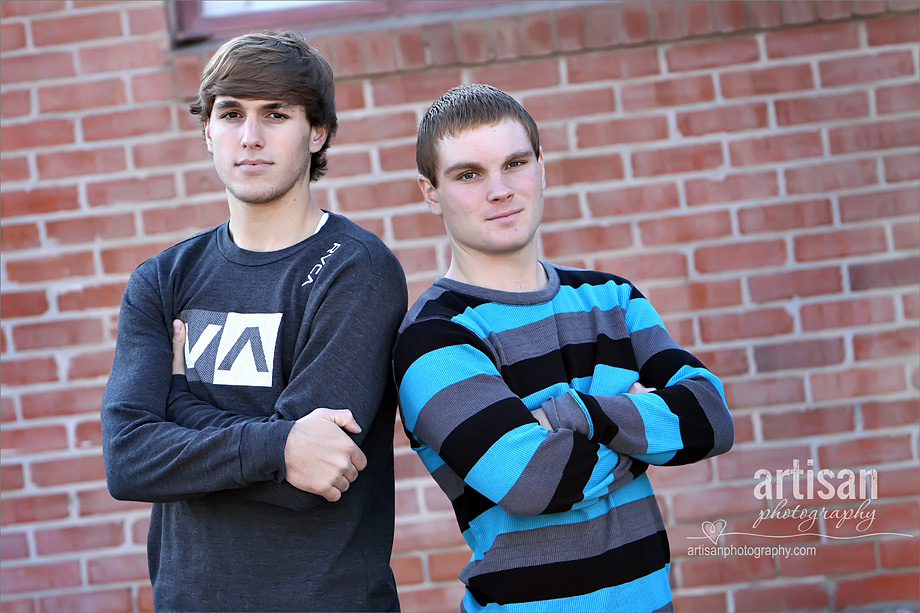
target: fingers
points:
(358, 459)
(638, 388)
(178, 346)
(345, 420)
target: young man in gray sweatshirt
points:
(269, 462)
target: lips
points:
(256, 163)
(504, 215)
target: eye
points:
(231, 115)
(278, 116)
(517, 163)
(467, 176)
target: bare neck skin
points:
(519, 271)
(276, 225)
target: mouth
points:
(504, 215)
(257, 164)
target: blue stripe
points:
(534, 400)
(647, 593)
(687, 372)
(499, 468)
(611, 380)
(662, 427)
(429, 458)
(641, 315)
(427, 376)
(657, 459)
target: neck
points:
(273, 226)
(513, 272)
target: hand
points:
(320, 457)
(540, 415)
(638, 388)
(178, 345)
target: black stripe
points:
(469, 506)
(637, 467)
(696, 432)
(425, 336)
(575, 475)
(472, 438)
(449, 304)
(573, 578)
(576, 277)
(604, 428)
(659, 368)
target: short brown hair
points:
(461, 108)
(273, 66)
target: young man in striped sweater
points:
(537, 395)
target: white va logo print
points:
(322, 262)
(245, 353)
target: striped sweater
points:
(562, 519)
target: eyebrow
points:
(232, 103)
(476, 166)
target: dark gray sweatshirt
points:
(271, 336)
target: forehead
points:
(483, 143)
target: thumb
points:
(345, 420)
(178, 346)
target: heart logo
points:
(714, 529)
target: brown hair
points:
(273, 66)
(461, 108)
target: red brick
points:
(700, 603)
(634, 22)
(439, 38)
(11, 478)
(883, 414)
(19, 8)
(7, 406)
(155, 86)
(79, 538)
(889, 343)
(29, 371)
(81, 95)
(667, 19)
(15, 103)
(802, 596)
(630, 200)
(52, 267)
(890, 273)
(90, 365)
(748, 324)
(78, 162)
(397, 157)
(731, 15)
(147, 20)
(30, 509)
(35, 439)
(170, 152)
(558, 105)
(407, 570)
(378, 195)
(60, 333)
(868, 7)
(14, 545)
(409, 48)
(347, 164)
(686, 158)
(699, 17)
(681, 330)
(708, 503)
(109, 601)
(806, 422)
(416, 87)
(835, 9)
(694, 296)
(76, 28)
(765, 14)
(845, 313)
(428, 534)
(724, 362)
(378, 51)
(813, 109)
(88, 434)
(814, 39)
(906, 235)
(585, 169)
(47, 576)
(89, 229)
(99, 502)
(776, 148)
(504, 38)
(857, 382)
(685, 228)
(764, 392)
(743, 255)
(536, 34)
(839, 243)
(806, 282)
(660, 265)
(803, 354)
(61, 402)
(558, 208)
(345, 54)
(889, 203)
(799, 11)
(40, 201)
(897, 98)
(784, 216)
(435, 499)
(126, 259)
(374, 128)
(902, 167)
(121, 124)
(670, 92)
(71, 470)
(618, 131)
(14, 169)
(664, 477)
(36, 67)
(472, 42)
(893, 30)
(742, 464)
(446, 565)
(830, 176)
(762, 81)
(899, 553)
(866, 68)
(190, 217)
(911, 305)
(141, 53)
(883, 135)
(612, 64)
(119, 191)
(439, 598)
(601, 26)
(23, 304)
(203, 181)
(712, 54)
(12, 36)
(723, 119)
(116, 569)
(597, 237)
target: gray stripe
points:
(549, 334)
(720, 419)
(567, 542)
(631, 437)
(668, 608)
(540, 479)
(649, 341)
(449, 481)
(465, 399)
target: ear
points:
(207, 137)
(542, 166)
(430, 194)
(318, 136)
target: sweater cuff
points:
(262, 451)
(567, 412)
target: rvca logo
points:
(322, 262)
(230, 348)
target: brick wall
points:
(752, 166)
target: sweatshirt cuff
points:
(262, 451)
(568, 412)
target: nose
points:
(252, 134)
(499, 190)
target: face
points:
(261, 148)
(490, 192)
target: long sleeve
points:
(460, 413)
(150, 459)
(685, 420)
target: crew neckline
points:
(544, 294)
(245, 257)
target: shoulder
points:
(173, 257)
(585, 281)
(365, 246)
